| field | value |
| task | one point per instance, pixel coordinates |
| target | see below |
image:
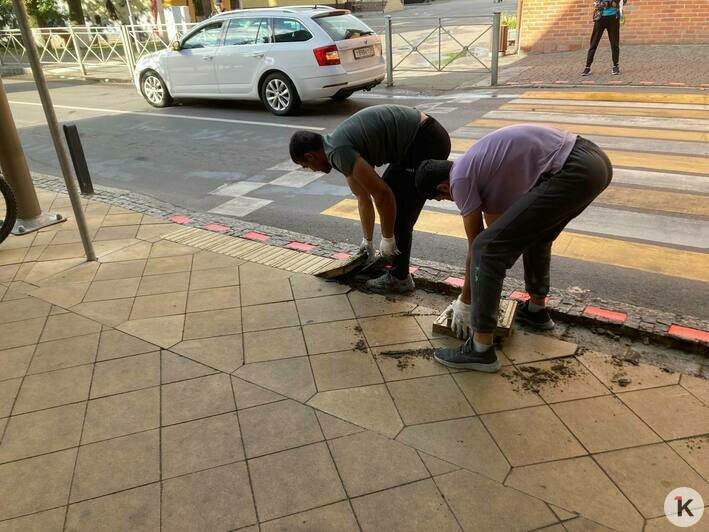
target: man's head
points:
(433, 179)
(307, 150)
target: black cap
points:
(429, 175)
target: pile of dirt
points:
(406, 359)
(533, 378)
(620, 377)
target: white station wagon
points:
(281, 56)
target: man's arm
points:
(473, 223)
(366, 208)
(368, 180)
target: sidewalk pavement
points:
(166, 387)
(641, 65)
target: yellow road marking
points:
(631, 159)
(620, 111)
(644, 257)
(613, 131)
(652, 97)
(656, 200)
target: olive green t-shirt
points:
(380, 135)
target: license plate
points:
(366, 51)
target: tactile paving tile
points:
(252, 251)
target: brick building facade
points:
(561, 25)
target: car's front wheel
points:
(154, 89)
(279, 94)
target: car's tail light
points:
(327, 55)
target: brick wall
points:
(561, 25)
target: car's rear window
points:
(343, 27)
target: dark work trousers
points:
(431, 142)
(611, 24)
(530, 226)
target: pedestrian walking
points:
(607, 16)
(396, 135)
(528, 182)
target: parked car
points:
(282, 56)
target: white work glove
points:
(388, 248)
(367, 246)
(459, 314)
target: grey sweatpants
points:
(530, 226)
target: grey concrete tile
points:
(413, 507)
(137, 510)
(368, 462)
(201, 444)
(42, 432)
(216, 499)
(116, 465)
(35, 484)
(118, 415)
(278, 426)
(196, 398)
(126, 374)
(294, 481)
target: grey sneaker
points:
(388, 284)
(465, 357)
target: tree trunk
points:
(76, 12)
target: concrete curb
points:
(610, 317)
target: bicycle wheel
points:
(8, 209)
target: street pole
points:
(17, 173)
(53, 125)
(495, 48)
(390, 53)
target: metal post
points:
(390, 53)
(46, 99)
(495, 48)
(79, 59)
(439, 44)
(17, 174)
(127, 48)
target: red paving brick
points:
(252, 235)
(179, 219)
(301, 246)
(609, 315)
(688, 333)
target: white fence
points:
(418, 45)
(93, 50)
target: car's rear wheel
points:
(341, 96)
(279, 94)
(154, 89)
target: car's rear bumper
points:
(334, 83)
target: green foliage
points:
(41, 13)
(509, 20)
(7, 15)
(44, 12)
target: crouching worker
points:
(529, 182)
(399, 136)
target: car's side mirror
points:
(176, 46)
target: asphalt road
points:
(185, 153)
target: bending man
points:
(529, 182)
(399, 136)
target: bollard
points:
(78, 158)
(495, 48)
(390, 53)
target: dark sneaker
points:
(465, 357)
(388, 284)
(539, 320)
(615, 70)
(586, 71)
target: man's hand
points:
(460, 318)
(367, 246)
(388, 248)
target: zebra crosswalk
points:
(655, 215)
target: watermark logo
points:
(684, 507)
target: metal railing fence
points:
(93, 50)
(444, 44)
